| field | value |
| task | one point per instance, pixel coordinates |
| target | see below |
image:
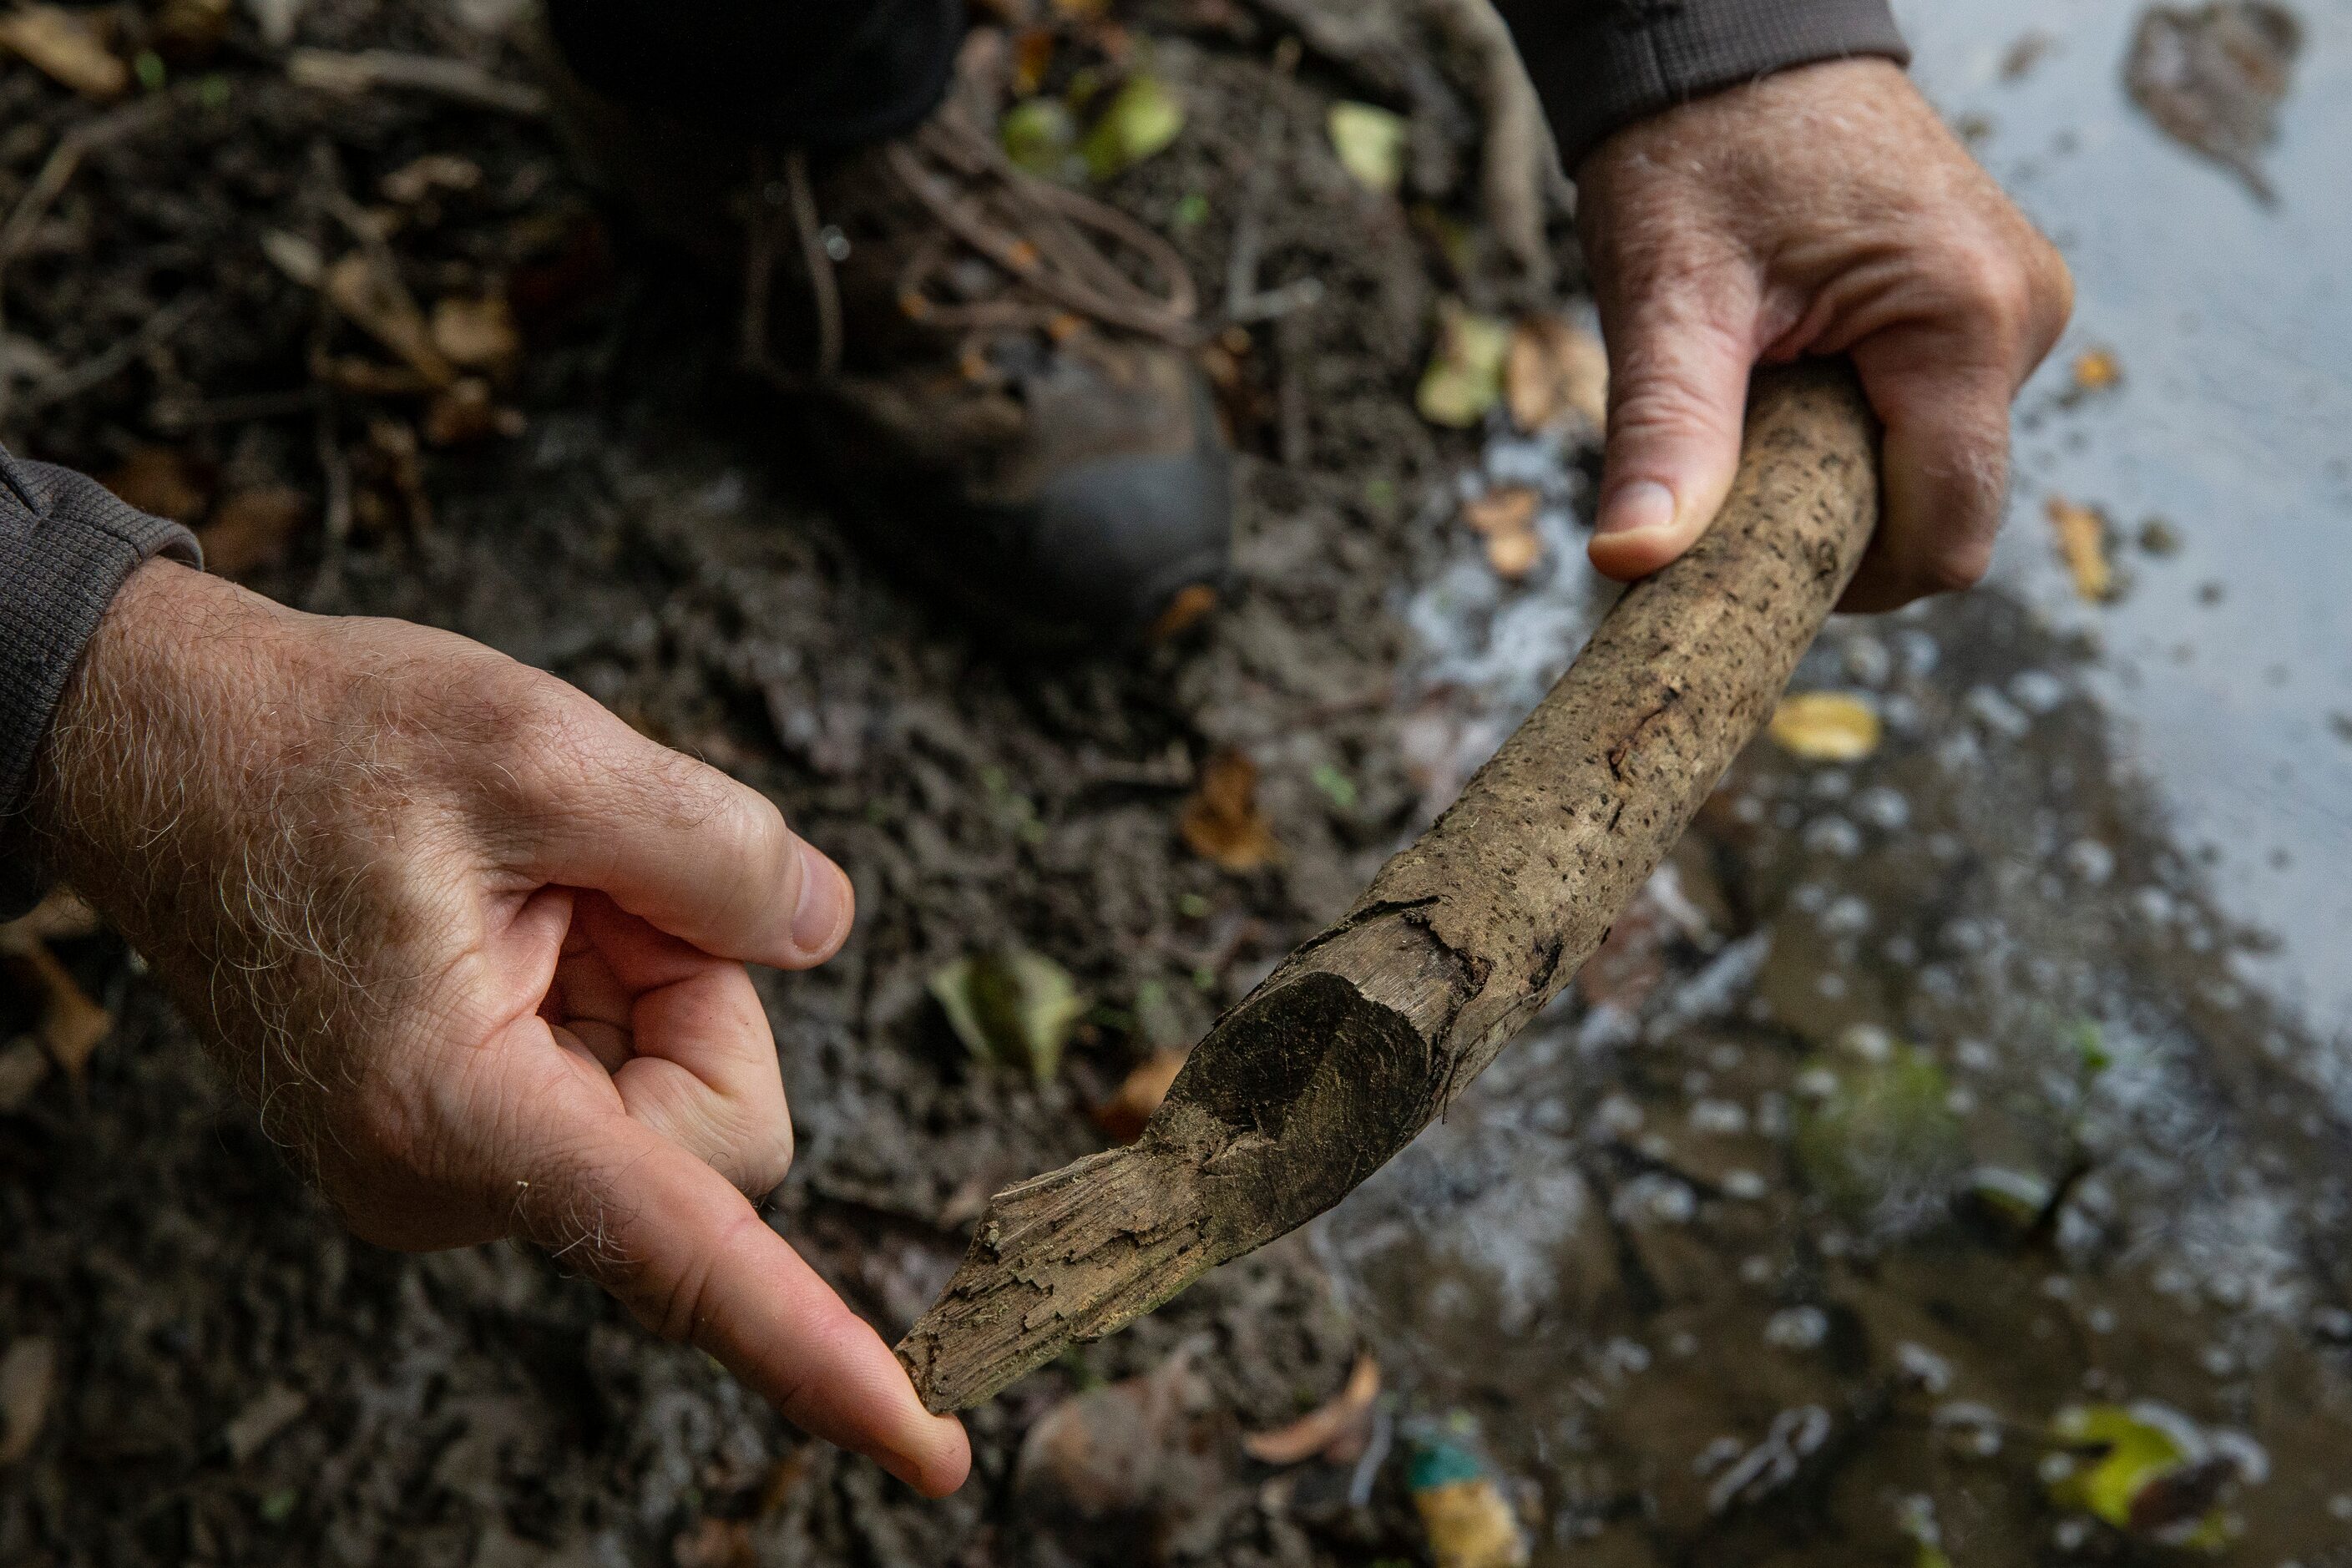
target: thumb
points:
(1678, 363)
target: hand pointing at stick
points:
(476, 948)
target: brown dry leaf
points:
(71, 1025)
(1508, 509)
(371, 297)
(251, 528)
(162, 481)
(1221, 821)
(1331, 1430)
(191, 29)
(23, 1065)
(2097, 369)
(1153, 1448)
(63, 45)
(1513, 555)
(29, 1375)
(1554, 367)
(1140, 1093)
(2083, 544)
(1826, 726)
(477, 334)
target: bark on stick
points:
(1369, 1030)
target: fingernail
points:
(824, 897)
(1643, 504)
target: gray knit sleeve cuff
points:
(66, 546)
(1600, 64)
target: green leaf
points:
(1883, 1134)
(1039, 135)
(1369, 142)
(1464, 378)
(1143, 119)
(1337, 786)
(1011, 1006)
(2132, 1448)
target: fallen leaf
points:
(1464, 378)
(63, 45)
(2213, 79)
(1335, 1429)
(1826, 726)
(477, 334)
(1553, 368)
(1011, 1006)
(1469, 1522)
(1143, 118)
(2143, 1467)
(29, 1374)
(1369, 143)
(2082, 544)
(162, 481)
(2097, 369)
(371, 296)
(1122, 1116)
(429, 176)
(71, 1025)
(1040, 134)
(1221, 820)
(191, 29)
(1505, 508)
(251, 528)
(1513, 555)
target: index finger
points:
(693, 1260)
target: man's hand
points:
(476, 949)
(1821, 210)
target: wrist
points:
(117, 745)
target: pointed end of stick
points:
(1070, 1256)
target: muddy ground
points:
(1917, 1105)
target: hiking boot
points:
(1000, 402)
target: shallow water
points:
(2009, 1071)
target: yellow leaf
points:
(1470, 1525)
(1464, 378)
(2097, 369)
(1139, 1095)
(1369, 143)
(1142, 120)
(62, 45)
(2083, 544)
(1506, 509)
(1513, 555)
(1011, 1006)
(1826, 726)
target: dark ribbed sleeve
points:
(1600, 63)
(65, 545)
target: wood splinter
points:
(1367, 1032)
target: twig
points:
(75, 380)
(461, 81)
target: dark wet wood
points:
(1368, 1031)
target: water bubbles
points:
(1996, 713)
(1726, 1117)
(1846, 916)
(2090, 861)
(1745, 1185)
(2037, 690)
(1883, 807)
(1868, 661)
(1922, 1367)
(1796, 1328)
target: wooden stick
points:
(1368, 1031)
